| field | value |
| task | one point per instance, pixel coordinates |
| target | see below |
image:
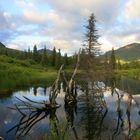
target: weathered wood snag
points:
(71, 88)
(55, 89)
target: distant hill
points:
(14, 52)
(128, 53)
(11, 52)
(47, 50)
(2, 45)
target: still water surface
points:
(85, 122)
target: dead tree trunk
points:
(71, 89)
(55, 89)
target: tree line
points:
(44, 57)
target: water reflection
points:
(120, 121)
(91, 117)
(125, 102)
(86, 119)
(124, 83)
(71, 112)
(35, 91)
(27, 122)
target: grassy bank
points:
(16, 73)
(135, 134)
(130, 73)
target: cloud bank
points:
(60, 23)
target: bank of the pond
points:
(130, 73)
(16, 73)
(20, 77)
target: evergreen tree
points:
(58, 60)
(44, 60)
(65, 59)
(112, 60)
(29, 53)
(35, 54)
(91, 36)
(53, 57)
(92, 47)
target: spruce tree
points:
(29, 53)
(91, 36)
(91, 47)
(44, 59)
(53, 57)
(35, 54)
(112, 60)
(58, 60)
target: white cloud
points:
(61, 22)
(105, 45)
(76, 12)
(132, 9)
(51, 17)
(3, 20)
(13, 46)
(104, 10)
(25, 4)
(67, 46)
(34, 16)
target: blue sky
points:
(59, 23)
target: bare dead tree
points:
(55, 89)
(71, 89)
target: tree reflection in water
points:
(71, 112)
(26, 122)
(119, 126)
(128, 92)
(92, 112)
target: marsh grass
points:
(16, 73)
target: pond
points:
(84, 120)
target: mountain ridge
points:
(128, 52)
(4, 47)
